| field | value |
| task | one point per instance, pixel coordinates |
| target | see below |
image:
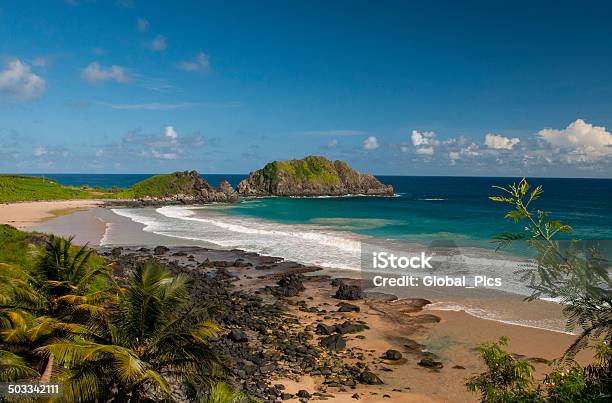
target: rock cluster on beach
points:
(311, 176)
(271, 331)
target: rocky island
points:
(311, 176)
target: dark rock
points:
(413, 346)
(334, 342)
(370, 378)
(160, 250)
(286, 396)
(356, 396)
(238, 336)
(322, 328)
(429, 362)
(346, 307)
(303, 394)
(348, 292)
(393, 355)
(116, 252)
(289, 286)
(350, 327)
(458, 367)
(336, 282)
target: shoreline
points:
(451, 335)
(22, 215)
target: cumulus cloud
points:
(18, 80)
(424, 141)
(94, 73)
(200, 64)
(470, 151)
(582, 140)
(170, 133)
(498, 142)
(142, 24)
(371, 143)
(158, 44)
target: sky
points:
(394, 87)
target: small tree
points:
(574, 272)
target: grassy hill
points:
(159, 186)
(29, 188)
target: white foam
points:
(305, 243)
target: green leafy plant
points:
(574, 272)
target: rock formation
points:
(312, 176)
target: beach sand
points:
(26, 214)
(391, 326)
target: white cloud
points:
(424, 138)
(425, 150)
(584, 141)
(332, 143)
(454, 155)
(201, 63)
(164, 156)
(94, 73)
(170, 133)
(371, 143)
(497, 142)
(40, 151)
(19, 81)
(470, 151)
(158, 44)
(424, 141)
(142, 24)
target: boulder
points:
(393, 355)
(348, 292)
(238, 336)
(334, 342)
(346, 307)
(370, 378)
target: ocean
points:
(331, 232)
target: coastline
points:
(452, 337)
(26, 214)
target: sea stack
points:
(311, 176)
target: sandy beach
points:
(25, 214)
(450, 336)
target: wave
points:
(553, 325)
(303, 243)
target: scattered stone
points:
(356, 396)
(160, 250)
(350, 327)
(429, 362)
(393, 355)
(427, 318)
(370, 378)
(348, 292)
(303, 394)
(289, 286)
(238, 336)
(458, 367)
(334, 342)
(322, 328)
(346, 307)
(116, 252)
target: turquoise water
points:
(435, 208)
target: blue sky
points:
(406, 88)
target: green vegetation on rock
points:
(159, 186)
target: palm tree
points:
(152, 341)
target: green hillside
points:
(29, 188)
(159, 186)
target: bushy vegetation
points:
(27, 188)
(311, 169)
(159, 186)
(577, 274)
(63, 319)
